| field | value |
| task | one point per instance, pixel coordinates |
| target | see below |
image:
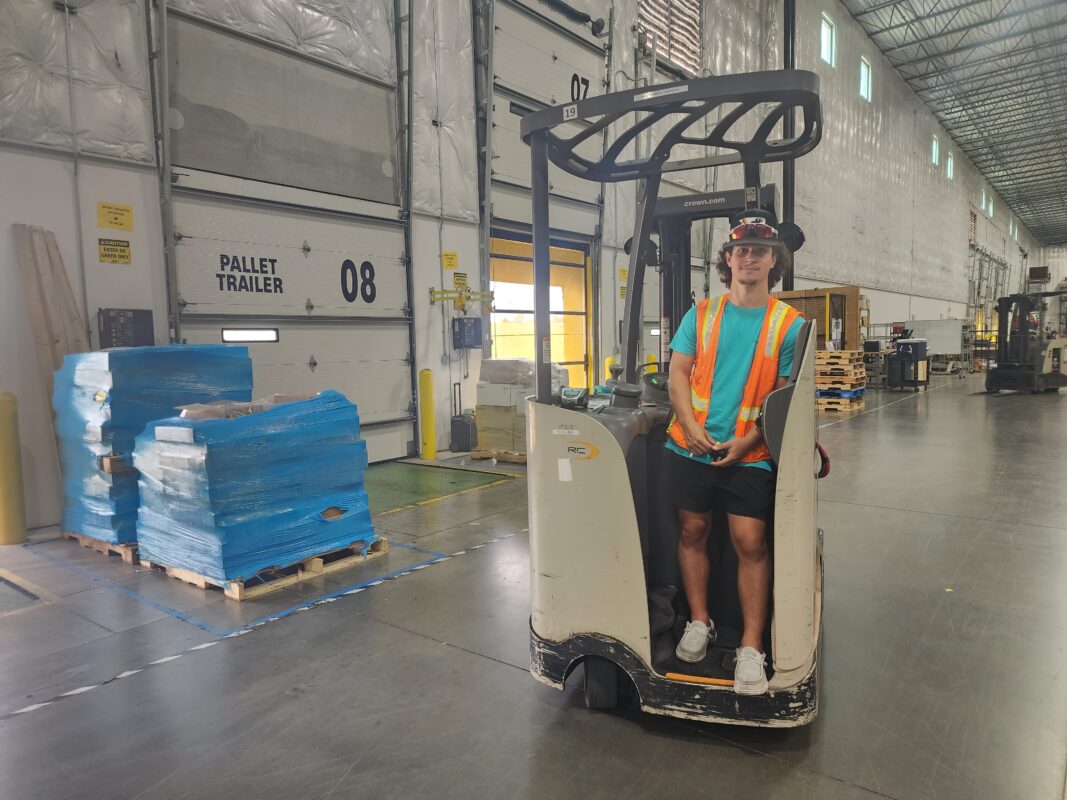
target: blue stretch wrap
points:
(103, 400)
(248, 493)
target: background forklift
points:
(1027, 360)
(603, 534)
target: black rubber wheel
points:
(601, 683)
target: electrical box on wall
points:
(125, 327)
(467, 333)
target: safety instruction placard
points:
(450, 260)
(114, 251)
(459, 280)
(114, 215)
(624, 276)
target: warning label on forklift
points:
(114, 251)
(248, 274)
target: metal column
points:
(542, 267)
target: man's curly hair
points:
(783, 261)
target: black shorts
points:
(744, 491)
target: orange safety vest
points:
(762, 376)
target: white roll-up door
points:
(541, 60)
(288, 233)
(330, 291)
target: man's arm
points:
(696, 436)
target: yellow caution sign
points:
(113, 215)
(450, 260)
(114, 251)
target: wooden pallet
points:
(500, 455)
(273, 579)
(846, 384)
(838, 404)
(114, 465)
(127, 551)
(849, 371)
(838, 358)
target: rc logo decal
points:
(581, 451)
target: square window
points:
(950, 166)
(935, 151)
(828, 40)
(865, 79)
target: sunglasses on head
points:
(753, 230)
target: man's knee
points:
(694, 532)
(750, 541)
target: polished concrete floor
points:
(945, 651)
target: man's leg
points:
(693, 561)
(748, 535)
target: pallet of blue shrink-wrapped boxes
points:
(253, 497)
(102, 401)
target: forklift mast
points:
(674, 222)
(759, 100)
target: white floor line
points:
(911, 396)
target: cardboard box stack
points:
(500, 414)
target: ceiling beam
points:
(877, 7)
(1022, 165)
(984, 60)
(999, 111)
(1003, 127)
(968, 48)
(1054, 135)
(981, 76)
(1009, 90)
(974, 26)
(926, 17)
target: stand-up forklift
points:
(1028, 360)
(603, 534)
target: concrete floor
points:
(945, 651)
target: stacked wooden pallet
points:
(840, 380)
(55, 319)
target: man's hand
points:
(697, 439)
(736, 449)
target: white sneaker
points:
(694, 644)
(750, 677)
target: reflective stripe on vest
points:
(762, 376)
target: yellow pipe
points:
(427, 427)
(12, 512)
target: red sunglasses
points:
(753, 230)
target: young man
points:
(730, 352)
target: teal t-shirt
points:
(739, 330)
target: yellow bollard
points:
(427, 428)
(609, 362)
(650, 361)
(12, 513)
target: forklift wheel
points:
(601, 683)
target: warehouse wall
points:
(876, 211)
